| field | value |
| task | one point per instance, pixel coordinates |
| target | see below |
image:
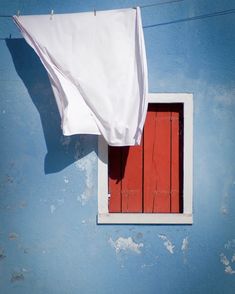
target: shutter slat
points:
(115, 177)
(175, 195)
(150, 167)
(162, 159)
(132, 181)
(157, 159)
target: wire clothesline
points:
(95, 11)
(197, 17)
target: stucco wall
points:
(49, 240)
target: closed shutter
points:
(148, 178)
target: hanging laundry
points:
(97, 67)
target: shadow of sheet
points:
(61, 150)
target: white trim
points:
(104, 217)
(145, 218)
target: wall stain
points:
(2, 254)
(26, 250)
(9, 179)
(23, 204)
(17, 277)
(13, 236)
(139, 235)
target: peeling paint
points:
(227, 267)
(229, 257)
(225, 196)
(147, 265)
(86, 165)
(184, 248)
(230, 244)
(167, 243)
(13, 236)
(185, 245)
(126, 244)
(229, 270)
(224, 259)
(53, 208)
(66, 180)
(17, 276)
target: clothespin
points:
(94, 12)
(52, 12)
(18, 13)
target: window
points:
(151, 183)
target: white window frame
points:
(104, 217)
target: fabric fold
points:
(97, 68)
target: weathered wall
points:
(49, 239)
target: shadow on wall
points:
(61, 150)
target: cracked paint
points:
(167, 243)
(126, 244)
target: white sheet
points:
(97, 68)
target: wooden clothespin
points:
(52, 12)
(18, 13)
(94, 12)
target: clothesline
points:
(96, 11)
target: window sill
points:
(145, 218)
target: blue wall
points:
(49, 240)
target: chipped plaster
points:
(167, 243)
(126, 244)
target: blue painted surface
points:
(49, 240)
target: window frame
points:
(186, 217)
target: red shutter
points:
(148, 178)
(125, 179)
(157, 159)
(115, 177)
